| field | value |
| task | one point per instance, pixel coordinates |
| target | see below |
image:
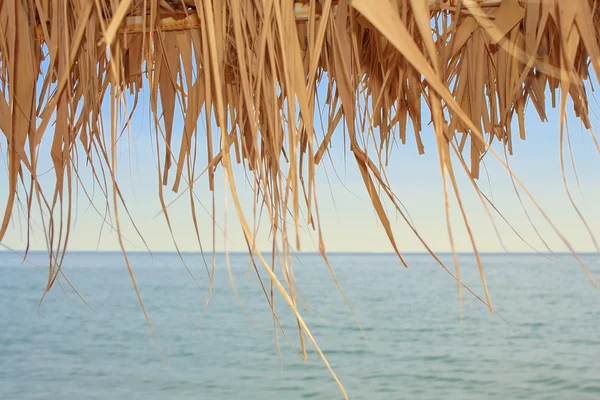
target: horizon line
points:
(6, 250)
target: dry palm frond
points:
(253, 68)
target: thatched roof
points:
(254, 68)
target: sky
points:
(348, 220)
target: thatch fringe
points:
(254, 68)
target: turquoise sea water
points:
(417, 346)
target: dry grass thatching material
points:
(255, 66)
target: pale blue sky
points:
(351, 225)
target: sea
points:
(390, 333)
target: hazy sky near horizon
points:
(348, 220)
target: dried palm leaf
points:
(253, 69)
